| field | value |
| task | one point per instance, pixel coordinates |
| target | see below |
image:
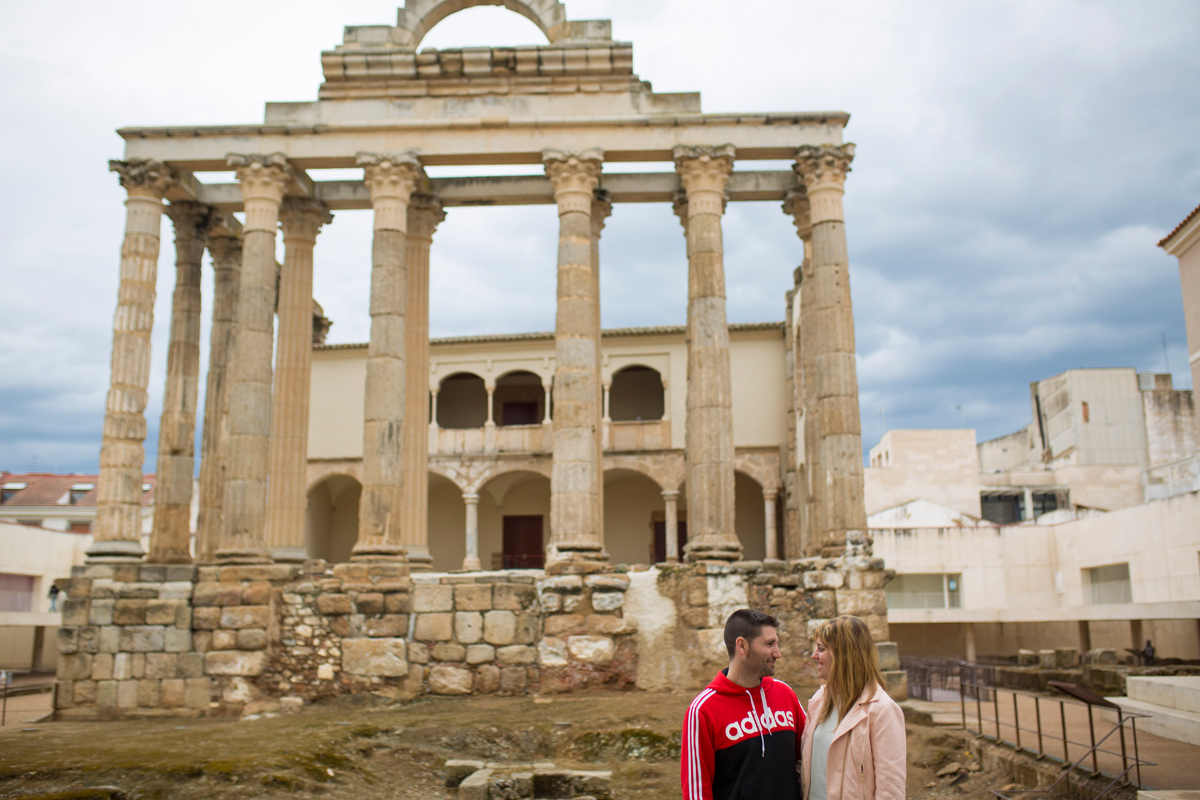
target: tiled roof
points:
(658, 330)
(1162, 242)
(47, 489)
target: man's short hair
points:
(746, 623)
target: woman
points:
(853, 745)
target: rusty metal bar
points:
(1137, 759)
(996, 707)
(1037, 710)
(1092, 729)
(1062, 714)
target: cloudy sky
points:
(1017, 162)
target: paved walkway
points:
(1177, 765)
(24, 707)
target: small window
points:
(929, 591)
(30, 523)
(80, 526)
(1086, 415)
(1108, 585)
(16, 592)
(78, 491)
(10, 490)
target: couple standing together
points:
(746, 736)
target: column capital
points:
(264, 179)
(704, 168)
(601, 209)
(670, 494)
(302, 217)
(575, 174)
(470, 498)
(823, 170)
(192, 220)
(770, 493)
(225, 248)
(390, 174)
(796, 205)
(144, 176)
(425, 213)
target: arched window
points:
(519, 399)
(462, 401)
(636, 394)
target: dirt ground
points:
(363, 748)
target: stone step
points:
(1181, 692)
(1166, 722)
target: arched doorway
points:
(462, 401)
(331, 524)
(514, 520)
(519, 399)
(749, 513)
(636, 394)
(633, 504)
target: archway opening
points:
(749, 513)
(519, 399)
(514, 521)
(331, 522)
(447, 524)
(633, 507)
(462, 401)
(636, 395)
(462, 24)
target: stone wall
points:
(188, 641)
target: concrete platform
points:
(1172, 703)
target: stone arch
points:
(462, 401)
(666, 470)
(763, 467)
(331, 518)
(541, 466)
(418, 17)
(636, 392)
(452, 475)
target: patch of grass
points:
(637, 744)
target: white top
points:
(822, 738)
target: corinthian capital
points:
(601, 209)
(144, 175)
(575, 174)
(425, 213)
(824, 166)
(797, 206)
(704, 168)
(263, 177)
(393, 175)
(192, 220)
(302, 217)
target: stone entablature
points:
(192, 641)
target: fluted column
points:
(802, 507)
(601, 211)
(471, 562)
(170, 538)
(391, 180)
(772, 547)
(263, 179)
(703, 172)
(835, 428)
(287, 500)
(118, 530)
(424, 215)
(671, 502)
(576, 535)
(226, 255)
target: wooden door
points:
(523, 547)
(660, 540)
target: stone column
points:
(1027, 499)
(772, 548)
(576, 533)
(471, 562)
(807, 439)
(671, 500)
(601, 211)
(263, 179)
(287, 500)
(703, 172)
(424, 215)
(118, 529)
(214, 442)
(170, 538)
(391, 179)
(837, 481)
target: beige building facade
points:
(1184, 243)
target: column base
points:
(240, 556)
(719, 551)
(115, 551)
(472, 565)
(575, 559)
(289, 555)
(377, 553)
(169, 557)
(419, 559)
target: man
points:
(741, 736)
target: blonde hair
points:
(855, 667)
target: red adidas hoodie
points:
(740, 742)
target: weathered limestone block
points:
(110, 639)
(607, 582)
(251, 639)
(138, 591)
(172, 692)
(369, 603)
(101, 612)
(1027, 658)
(68, 640)
(217, 594)
(559, 624)
(376, 657)
(84, 693)
(712, 645)
(861, 603)
(609, 625)
(235, 662)
(591, 649)
(516, 654)
(434, 627)
(457, 770)
(468, 626)
(224, 639)
(160, 612)
(245, 617)
(160, 665)
(256, 593)
(448, 652)
(388, 625)
(551, 603)
(189, 665)
(499, 627)
(1046, 659)
(552, 652)
(480, 654)
(451, 680)
(433, 597)
(514, 597)
(1066, 658)
(823, 579)
(129, 612)
(106, 694)
(206, 618)
(397, 603)
(607, 601)
(889, 655)
(329, 604)
(325, 672)
(176, 590)
(418, 653)
(102, 666)
(75, 611)
(487, 679)
(475, 787)
(127, 693)
(143, 638)
(149, 693)
(473, 597)
(513, 680)
(197, 692)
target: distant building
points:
(59, 502)
(1182, 243)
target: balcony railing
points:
(639, 435)
(625, 436)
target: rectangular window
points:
(1002, 509)
(80, 526)
(928, 591)
(31, 523)
(16, 592)
(1044, 503)
(1108, 585)
(10, 490)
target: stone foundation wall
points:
(187, 641)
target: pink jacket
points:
(868, 755)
